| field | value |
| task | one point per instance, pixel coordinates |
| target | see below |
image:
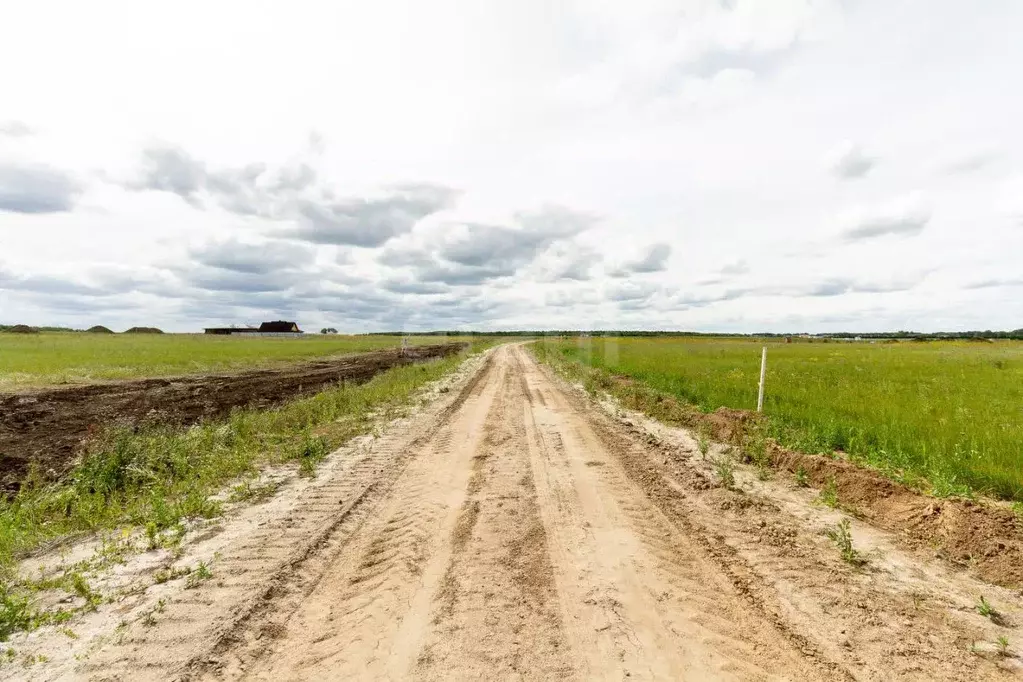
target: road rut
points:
(514, 545)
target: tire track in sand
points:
(366, 616)
(267, 571)
(497, 613)
(639, 598)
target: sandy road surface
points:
(515, 532)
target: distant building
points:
(279, 326)
(275, 328)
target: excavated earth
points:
(514, 529)
(47, 427)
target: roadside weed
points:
(1003, 645)
(829, 495)
(15, 613)
(841, 535)
(167, 574)
(703, 443)
(985, 608)
(200, 574)
(149, 617)
(802, 479)
(82, 588)
(247, 492)
(754, 445)
(725, 471)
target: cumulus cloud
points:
(907, 217)
(291, 193)
(739, 267)
(368, 222)
(47, 284)
(169, 169)
(841, 285)
(819, 288)
(970, 163)
(654, 258)
(470, 254)
(36, 189)
(265, 258)
(993, 282)
(630, 291)
(247, 190)
(408, 286)
(15, 129)
(570, 261)
(850, 161)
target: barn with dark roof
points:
(279, 327)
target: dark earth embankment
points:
(47, 427)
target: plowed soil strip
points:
(47, 427)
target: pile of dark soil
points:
(143, 330)
(47, 428)
(22, 329)
(99, 329)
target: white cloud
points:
(851, 162)
(14, 129)
(397, 163)
(906, 216)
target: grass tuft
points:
(802, 478)
(829, 495)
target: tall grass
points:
(947, 412)
(59, 358)
(157, 476)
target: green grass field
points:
(950, 413)
(62, 358)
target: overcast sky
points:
(722, 166)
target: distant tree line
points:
(5, 327)
(907, 335)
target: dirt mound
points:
(982, 535)
(143, 330)
(22, 329)
(47, 427)
(99, 329)
(986, 536)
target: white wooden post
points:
(763, 373)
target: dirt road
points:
(513, 531)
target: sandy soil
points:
(513, 529)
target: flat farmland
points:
(28, 360)
(947, 416)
